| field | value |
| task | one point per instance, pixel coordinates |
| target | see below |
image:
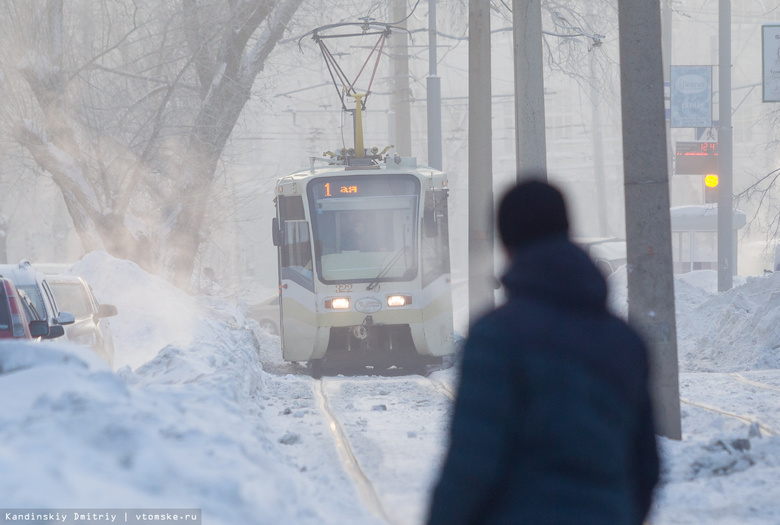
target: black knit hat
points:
(529, 211)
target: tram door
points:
(436, 286)
(296, 280)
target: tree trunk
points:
(108, 184)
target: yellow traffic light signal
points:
(711, 188)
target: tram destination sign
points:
(696, 158)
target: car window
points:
(50, 298)
(93, 299)
(72, 297)
(29, 308)
(5, 315)
(34, 294)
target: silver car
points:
(267, 314)
(91, 327)
(39, 300)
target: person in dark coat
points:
(553, 421)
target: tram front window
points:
(365, 227)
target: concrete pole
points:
(530, 144)
(401, 91)
(599, 174)
(648, 222)
(433, 87)
(481, 272)
(666, 35)
(727, 264)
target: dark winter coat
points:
(553, 422)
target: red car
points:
(13, 319)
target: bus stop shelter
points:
(695, 237)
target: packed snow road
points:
(385, 434)
(749, 397)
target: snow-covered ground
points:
(202, 414)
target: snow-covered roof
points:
(702, 218)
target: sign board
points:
(691, 96)
(770, 45)
(696, 158)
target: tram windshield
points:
(365, 227)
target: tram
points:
(364, 264)
(363, 246)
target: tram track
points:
(348, 458)
(400, 394)
(739, 377)
(752, 419)
(443, 388)
(747, 419)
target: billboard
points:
(770, 45)
(691, 96)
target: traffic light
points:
(711, 189)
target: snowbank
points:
(726, 332)
(186, 429)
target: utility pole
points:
(727, 263)
(648, 222)
(598, 151)
(403, 122)
(530, 144)
(433, 88)
(666, 46)
(481, 272)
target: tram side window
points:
(435, 238)
(291, 208)
(296, 252)
(296, 244)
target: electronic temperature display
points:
(696, 158)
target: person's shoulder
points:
(503, 315)
(630, 341)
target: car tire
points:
(269, 326)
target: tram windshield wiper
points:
(387, 267)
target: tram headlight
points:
(399, 300)
(337, 303)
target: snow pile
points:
(730, 331)
(152, 312)
(725, 470)
(734, 330)
(725, 480)
(184, 430)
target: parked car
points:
(91, 327)
(608, 253)
(15, 322)
(34, 289)
(267, 314)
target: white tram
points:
(364, 266)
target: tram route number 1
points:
(342, 189)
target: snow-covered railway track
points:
(735, 395)
(759, 384)
(349, 461)
(387, 430)
(444, 388)
(745, 418)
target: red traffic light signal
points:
(711, 188)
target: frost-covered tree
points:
(128, 106)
